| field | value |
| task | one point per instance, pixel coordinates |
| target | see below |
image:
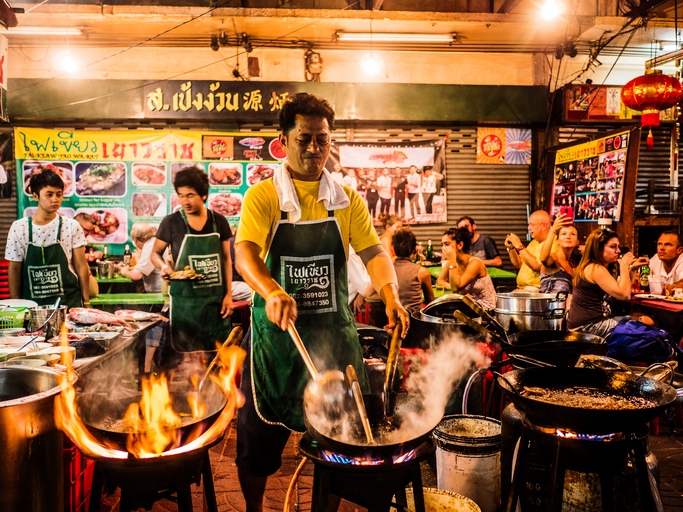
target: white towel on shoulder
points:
(330, 193)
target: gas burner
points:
(312, 449)
(565, 433)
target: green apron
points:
(308, 261)
(46, 275)
(196, 323)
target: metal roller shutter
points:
(8, 207)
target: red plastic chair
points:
(4, 279)
(241, 313)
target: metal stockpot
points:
(518, 312)
(431, 324)
(32, 472)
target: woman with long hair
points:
(601, 277)
(467, 274)
(414, 280)
(557, 270)
(390, 223)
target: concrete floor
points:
(667, 446)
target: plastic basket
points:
(12, 318)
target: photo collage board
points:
(589, 179)
(124, 178)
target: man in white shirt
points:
(667, 266)
(384, 189)
(414, 187)
(144, 269)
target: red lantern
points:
(649, 94)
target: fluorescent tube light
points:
(659, 61)
(44, 31)
(395, 37)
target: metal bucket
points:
(437, 500)
(32, 472)
(40, 314)
(468, 459)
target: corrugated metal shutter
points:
(495, 196)
(8, 207)
(652, 164)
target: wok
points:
(559, 348)
(595, 421)
(100, 414)
(407, 406)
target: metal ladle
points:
(328, 393)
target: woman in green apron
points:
(313, 272)
(196, 322)
(45, 274)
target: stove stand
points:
(369, 483)
(145, 481)
(607, 456)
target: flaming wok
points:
(104, 416)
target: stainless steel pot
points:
(32, 472)
(40, 314)
(431, 324)
(519, 312)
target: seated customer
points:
(600, 278)
(526, 258)
(557, 270)
(390, 223)
(667, 265)
(467, 274)
(413, 280)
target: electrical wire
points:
(191, 70)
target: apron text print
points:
(45, 280)
(209, 266)
(310, 281)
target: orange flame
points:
(153, 419)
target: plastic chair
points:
(4, 279)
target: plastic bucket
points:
(437, 500)
(468, 458)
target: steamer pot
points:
(519, 312)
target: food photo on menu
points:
(260, 172)
(148, 205)
(229, 174)
(65, 170)
(149, 173)
(226, 204)
(101, 179)
(110, 225)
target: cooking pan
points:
(596, 421)
(100, 414)
(353, 443)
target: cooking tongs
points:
(485, 316)
(32, 341)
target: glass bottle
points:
(126, 255)
(429, 252)
(644, 279)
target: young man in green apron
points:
(46, 251)
(291, 248)
(200, 239)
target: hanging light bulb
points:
(551, 10)
(66, 62)
(371, 64)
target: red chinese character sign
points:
(122, 178)
(589, 178)
(503, 146)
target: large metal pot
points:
(32, 470)
(431, 324)
(40, 315)
(519, 312)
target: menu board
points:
(123, 178)
(589, 179)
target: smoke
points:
(419, 410)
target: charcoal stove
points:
(145, 481)
(553, 465)
(368, 482)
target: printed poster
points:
(122, 178)
(404, 179)
(589, 179)
(504, 146)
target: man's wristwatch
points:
(520, 249)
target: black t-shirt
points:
(172, 230)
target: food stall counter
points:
(124, 299)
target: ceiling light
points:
(65, 61)
(551, 10)
(659, 61)
(371, 64)
(395, 37)
(44, 31)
